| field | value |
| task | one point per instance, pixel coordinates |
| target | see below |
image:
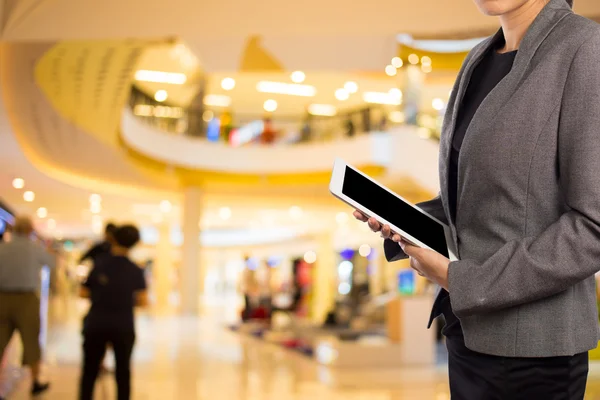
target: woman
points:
(115, 286)
(523, 203)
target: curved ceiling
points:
(209, 19)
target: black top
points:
(113, 282)
(486, 75)
(98, 250)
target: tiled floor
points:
(186, 358)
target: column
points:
(163, 268)
(412, 86)
(190, 251)
(324, 278)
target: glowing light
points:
(298, 76)
(341, 218)
(395, 93)
(173, 78)
(364, 250)
(426, 68)
(326, 110)
(310, 257)
(95, 198)
(29, 196)
(165, 206)
(161, 95)
(97, 224)
(96, 207)
(228, 83)
(217, 100)
(342, 94)
(413, 59)
(225, 213)
(344, 288)
(397, 62)
(381, 98)
(296, 212)
(291, 89)
(426, 60)
(438, 104)
(18, 183)
(351, 87)
(208, 115)
(42, 212)
(345, 270)
(270, 105)
(390, 70)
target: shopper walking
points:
(102, 248)
(115, 286)
(523, 203)
(21, 261)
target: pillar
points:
(190, 251)
(412, 86)
(324, 278)
(163, 268)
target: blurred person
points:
(269, 134)
(115, 286)
(21, 262)
(523, 204)
(101, 248)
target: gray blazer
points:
(528, 215)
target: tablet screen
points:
(389, 207)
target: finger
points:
(374, 225)
(386, 231)
(360, 216)
(409, 249)
(396, 238)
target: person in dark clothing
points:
(102, 248)
(115, 286)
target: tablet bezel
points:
(336, 185)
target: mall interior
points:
(213, 127)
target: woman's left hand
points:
(428, 263)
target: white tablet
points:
(374, 200)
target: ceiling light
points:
(326, 110)
(42, 212)
(397, 62)
(390, 70)
(29, 196)
(95, 198)
(18, 183)
(296, 212)
(341, 94)
(298, 76)
(292, 89)
(95, 208)
(173, 78)
(426, 60)
(342, 218)
(207, 116)
(270, 105)
(381, 98)
(310, 257)
(225, 213)
(51, 224)
(165, 206)
(426, 68)
(397, 117)
(438, 104)
(143, 110)
(351, 87)
(395, 93)
(161, 95)
(217, 100)
(364, 250)
(413, 59)
(228, 83)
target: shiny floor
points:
(196, 358)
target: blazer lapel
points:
(543, 25)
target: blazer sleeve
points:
(393, 251)
(567, 252)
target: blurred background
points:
(213, 127)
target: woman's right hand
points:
(375, 226)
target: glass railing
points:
(240, 129)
